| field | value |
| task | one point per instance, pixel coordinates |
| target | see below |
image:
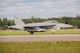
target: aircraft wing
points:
(38, 26)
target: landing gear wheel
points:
(31, 32)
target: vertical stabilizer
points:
(18, 21)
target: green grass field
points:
(40, 47)
(62, 31)
(68, 31)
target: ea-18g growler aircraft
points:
(38, 27)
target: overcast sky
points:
(39, 8)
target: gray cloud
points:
(39, 7)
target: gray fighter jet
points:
(38, 27)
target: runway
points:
(49, 37)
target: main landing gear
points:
(31, 32)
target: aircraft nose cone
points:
(69, 25)
(64, 25)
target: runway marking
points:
(49, 37)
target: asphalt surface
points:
(49, 37)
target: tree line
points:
(75, 21)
